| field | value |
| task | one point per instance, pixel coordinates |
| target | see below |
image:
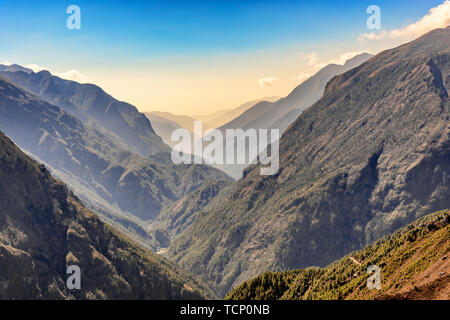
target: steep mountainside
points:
(174, 219)
(118, 183)
(94, 107)
(44, 229)
(369, 157)
(414, 263)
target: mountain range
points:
(124, 187)
(281, 113)
(94, 107)
(266, 114)
(372, 155)
(365, 151)
(165, 123)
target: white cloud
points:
(312, 58)
(269, 81)
(35, 67)
(437, 17)
(302, 77)
(314, 61)
(74, 75)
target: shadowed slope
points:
(44, 229)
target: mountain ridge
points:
(92, 105)
(116, 182)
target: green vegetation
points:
(403, 257)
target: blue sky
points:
(146, 37)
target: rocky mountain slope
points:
(372, 155)
(44, 229)
(124, 187)
(175, 218)
(414, 263)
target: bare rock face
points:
(369, 157)
(44, 229)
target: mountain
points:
(164, 123)
(211, 116)
(14, 68)
(184, 121)
(123, 187)
(220, 118)
(281, 113)
(163, 127)
(174, 219)
(414, 264)
(44, 229)
(89, 103)
(372, 155)
(266, 113)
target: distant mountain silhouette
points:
(165, 123)
(218, 120)
(164, 127)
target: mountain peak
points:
(14, 68)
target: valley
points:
(361, 179)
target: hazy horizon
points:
(202, 57)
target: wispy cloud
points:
(74, 75)
(269, 81)
(437, 17)
(302, 77)
(312, 58)
(314, 61)
(35, 67)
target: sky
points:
(197, 57)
